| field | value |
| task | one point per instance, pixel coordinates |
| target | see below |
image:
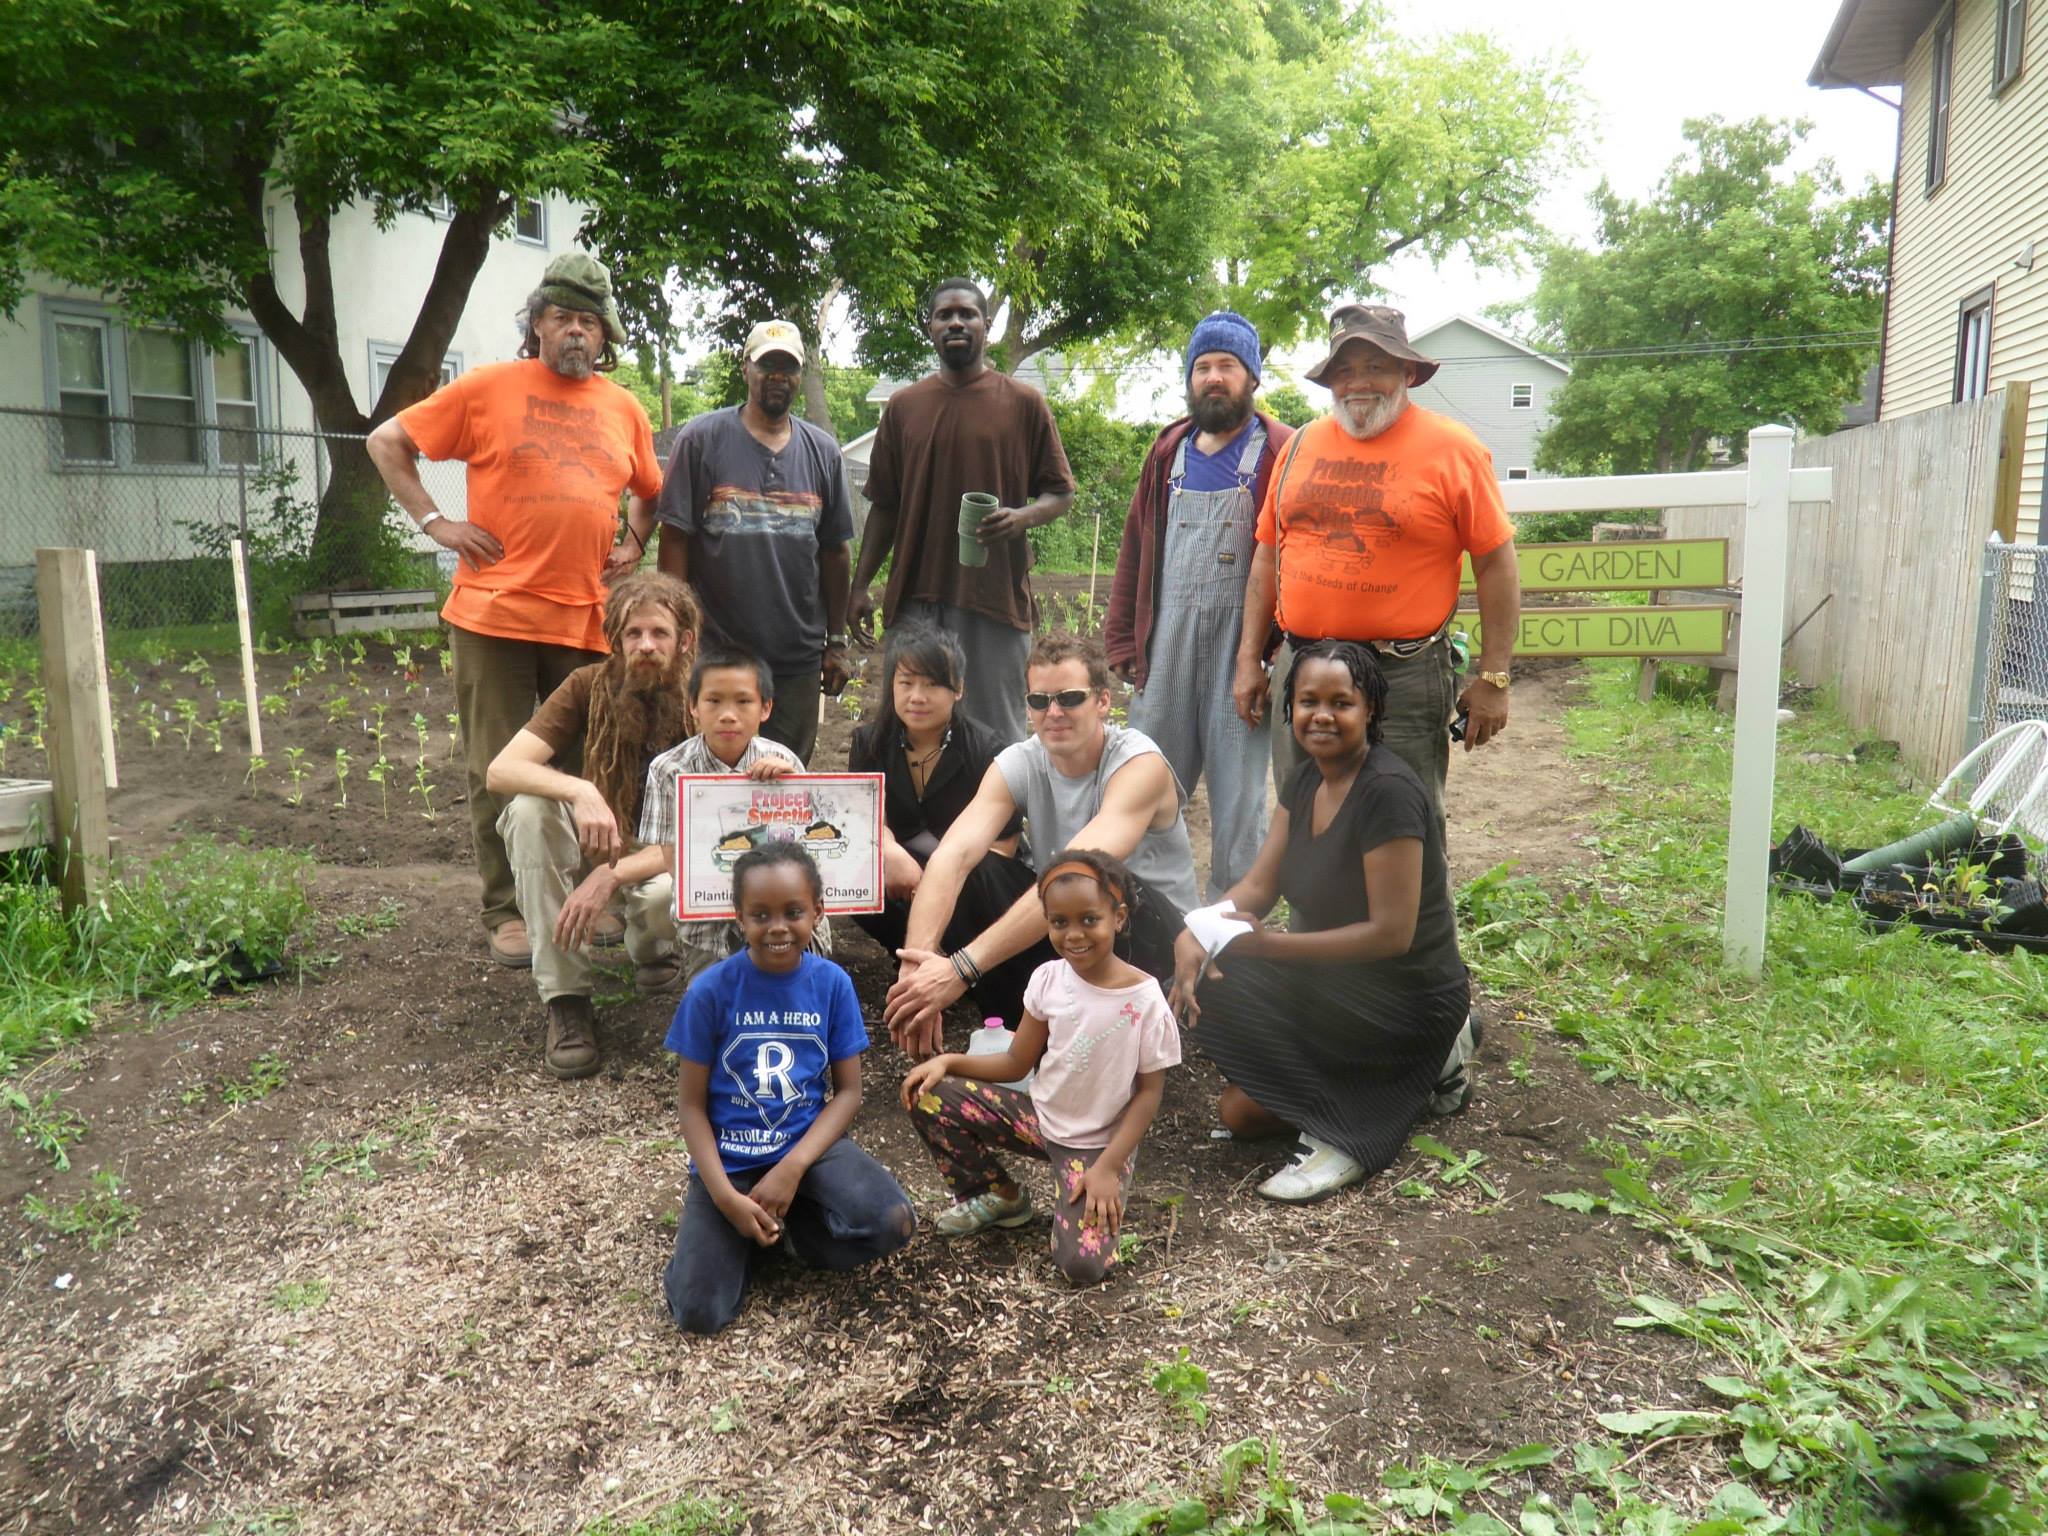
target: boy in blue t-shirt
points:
(758, 1035)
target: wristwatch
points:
(1498, 679)
(835, 642)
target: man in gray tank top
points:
(1081, 783)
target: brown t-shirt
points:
(939, 440)
(564, 716)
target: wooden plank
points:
(78, 778)
(1634, 493)
(2012, 460)
(239, 563)
(368, 624)
(27, 813)
(1673, 631)
(1613, 565)
(389, 597)
(99, 663)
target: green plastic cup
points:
(974, 506)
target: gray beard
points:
(571, 365)
(1376, 416)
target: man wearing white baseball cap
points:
(755, 517)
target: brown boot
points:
(572, 1049)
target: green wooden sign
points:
(1648, 565)
(1612, 631)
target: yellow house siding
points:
(1962, 238)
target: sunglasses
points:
(1066, 698)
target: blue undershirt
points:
(1215, 471)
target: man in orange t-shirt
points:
(550, 446)
(1365, 526)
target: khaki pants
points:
(539, 838)
(499, 683)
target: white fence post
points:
(1766, 520)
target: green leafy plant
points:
(355, 1158)
(684, 1517)
(360, 925)
(43, 1125)
(265, 1076)
(341, 761)
(102, 1217)
(1183, 1384)
(296, 1296)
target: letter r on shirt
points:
(772, 1062)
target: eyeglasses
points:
(1066, 698)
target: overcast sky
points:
(1647, 66)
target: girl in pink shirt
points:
(1101, 1037)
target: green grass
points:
(101, 1217)
(295, 1296)
(685, 1517)
(1848, 1155)
(167, 935)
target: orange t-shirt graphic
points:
(1367, 536)
(547, 458)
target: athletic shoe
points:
(1316, 1171)
(572, 1049)
(510, 947)
(985, 1210)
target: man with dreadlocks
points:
(569, 839)
(550, 447)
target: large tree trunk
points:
(817, 408)
(354, 544)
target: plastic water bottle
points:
(992, 1039)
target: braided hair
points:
(1364, 667)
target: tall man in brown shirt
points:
(966, 428)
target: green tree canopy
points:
(1732, 247)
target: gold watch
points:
(1498, 679)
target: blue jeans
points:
(848, 1211)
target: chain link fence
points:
(2011, 681)
(160, 499)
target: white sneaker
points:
(1316, 1170)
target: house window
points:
(163, 396)
(1941, 88)
(85, 393)
(141, 397)
(384, 354)
(1973, 346)
(530, 221)
(441, 207)
(1518, 474)
(2010, 46)
(1522, 397)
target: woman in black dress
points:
(1337, 1027)
(933, 758)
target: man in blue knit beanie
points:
(1177, 604)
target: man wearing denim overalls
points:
(1178, 599)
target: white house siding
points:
(381, 277)
(1963, 237)
(1475, 386)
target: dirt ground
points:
(416, 1287)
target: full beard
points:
(634, 708)
(1366, 418)
(571, 362)
(1219, 414)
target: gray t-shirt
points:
(756, 521)
(1056, 807)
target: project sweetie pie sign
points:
(834, 817)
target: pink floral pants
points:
(966, 1123)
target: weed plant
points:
(1851, 1157)
(169, 936)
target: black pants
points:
(848, 1211)
(992, 888)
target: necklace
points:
(921, 767)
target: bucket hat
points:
(1385, 328)
(581, 282)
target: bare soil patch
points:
(416, 1287)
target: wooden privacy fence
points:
(1888, 574)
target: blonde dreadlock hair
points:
(627, 726)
